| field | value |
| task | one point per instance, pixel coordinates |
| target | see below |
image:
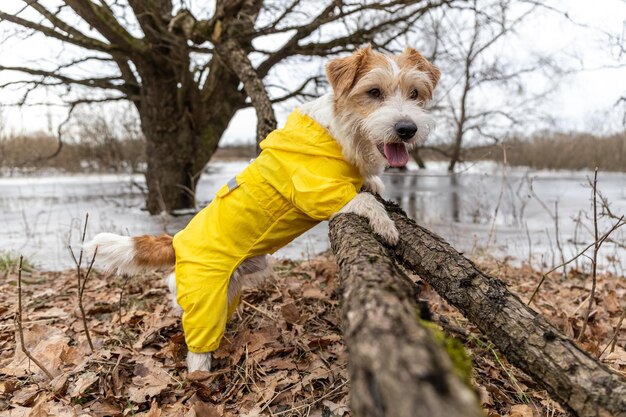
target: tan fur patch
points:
(344, 72)
(411, 58)
(154, 251)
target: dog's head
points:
(380, 99)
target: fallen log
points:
(396, 367)
(572, 376)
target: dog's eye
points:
(375, 93)
(414, 95)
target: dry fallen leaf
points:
(336, 410)
(290, 313)
(45, 343)
(154, 410)
(521, 410)
(82, 384)
(262, 361)
(149, 381)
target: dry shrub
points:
(559, 151)
(570, 151)
(32, 153)
(93, 144)
(548, 151)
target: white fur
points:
(366, 205)
(377, 127)
(321, 110)
(395, 68)
(198, 361)
(171, 285)
(380, 124)
(374, 184)
(114, 252)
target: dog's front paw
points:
(374, 185)
(198, 361)
(386, 228)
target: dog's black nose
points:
(405, 130)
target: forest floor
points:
(282, 354)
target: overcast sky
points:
(585, 100)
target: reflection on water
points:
(511, 212)
(508, 212)
(427, 199)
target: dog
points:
(308, 171)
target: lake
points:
(484, 209)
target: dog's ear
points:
(422, 64)
(342, 72)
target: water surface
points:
(485, 208)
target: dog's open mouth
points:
(396, 153)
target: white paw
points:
(366, 205)
(198, 361)
(386, 228)
(374, 184)
(171, 284)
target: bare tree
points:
(617, 42)
(189, 71)
(483, 94)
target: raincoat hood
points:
(305, 164)
(303, 135)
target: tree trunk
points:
(577, 380)
(415, 153)
(396, 367)
(182, 126)
(456, 152)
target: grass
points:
(9, 263)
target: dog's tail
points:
(129, 255)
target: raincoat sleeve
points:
(318, 196)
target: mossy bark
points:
(397, 368)
(572, 376)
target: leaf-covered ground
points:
(282, 354)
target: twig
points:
(492, 229)
(620, 222)
(120, 302)
(596, 248)
(82, 281)
(613, 340)
(557, 233)
(328, 394)
(18, 319)
(264, 313)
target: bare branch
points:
(84, 42)
(360, 36)
(233, 54)
(103, 83)
(620, 222)
(299, 91)
(82, 280)
(101, 19)
(19, 320)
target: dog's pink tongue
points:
(396, 154)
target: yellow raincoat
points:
(299, 179)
